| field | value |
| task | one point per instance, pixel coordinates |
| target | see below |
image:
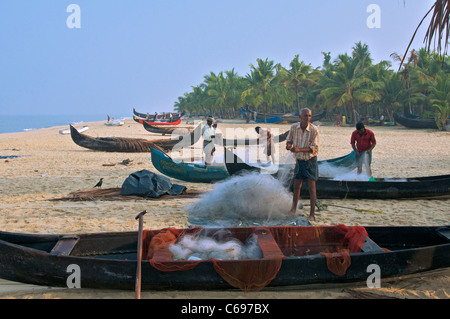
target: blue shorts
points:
(307, 169)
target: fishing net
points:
(275, 243)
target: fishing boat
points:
(373, 188)
(158, 122)
(200, 173)
(415, 122)
(275, 119)
(288, 256)
(283, 117)
(132, 145)
(81, 130)
(147, 116)
(115, 123)
(188, 172)
(317, 116)
(164, 130)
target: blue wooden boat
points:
(188, 172)
(200, 173)
(275, 119)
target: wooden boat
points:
(200, 173)
(132, 145)
(81, 130)
(189, 172)
(290, 256)
(414, 122)
(252, 141)
(157, 122)
(294, 118)
(275, 119)
(164, 130)
(378, 188)
(159, 129)
(115, 123)
(289, 117)
(151, 116)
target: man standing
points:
(363, 142)
(265, 140)
(208, 134)
(303, 142)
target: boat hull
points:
(415, 123)
(108, 261)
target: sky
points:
(108, 56)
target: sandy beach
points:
(52, 166)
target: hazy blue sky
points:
(147, 53)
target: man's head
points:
(257, 129)
(210, 120)
(360, 127)
(305, 116)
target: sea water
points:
(23, 123)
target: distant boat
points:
(114, 123)
(81, 130)
(157, 122)
(275, 119)
(149, 116)
(415, 122)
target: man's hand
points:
(288, 145)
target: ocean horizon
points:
(24, 123)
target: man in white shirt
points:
(208, 134)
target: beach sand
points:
(52, 166)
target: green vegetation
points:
(349, 85)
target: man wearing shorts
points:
(363, 142)
(303, 142)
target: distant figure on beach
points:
(363, 142)
(155, 116)
(99, 184)
(303, 142)
(265, 140)
(208, 134)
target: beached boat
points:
(415, 122)
(200, 173)
(275, 119)
(287, 256)
(294, 118)
(132, 145)
(158, 129)
(188, 172)
(146, 116)
(281, 117)
(158, 122)
(81, 130)
(375, 188)
(115, 123)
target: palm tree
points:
(440, 99)
(439, 25)
(394, 95)
(260, 86)
(348, 85)
(406, 74)
(298, 78)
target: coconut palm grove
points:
(350, 85)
